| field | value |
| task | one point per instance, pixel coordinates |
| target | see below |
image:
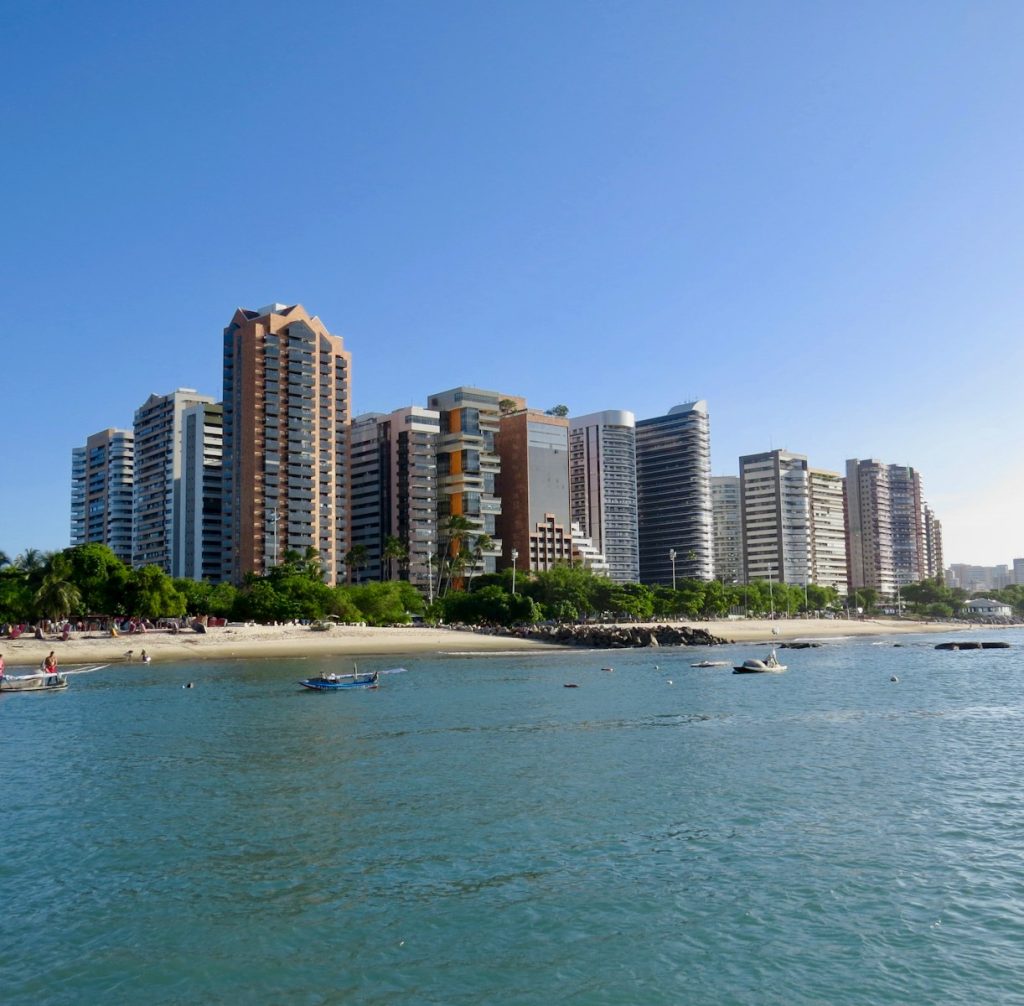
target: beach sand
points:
(250, 641)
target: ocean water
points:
(474, 833)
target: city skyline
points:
(775, 211)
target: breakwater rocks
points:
(615, 637)
(958, 645)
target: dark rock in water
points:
(798, 646)
(995, 646)
(614, 637)
(968, 645)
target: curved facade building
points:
(673, 481)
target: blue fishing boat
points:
(339, 682)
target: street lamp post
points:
(515, 555)
(430, 571)
(272, 518)
(672, 559)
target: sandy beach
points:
(249, 641)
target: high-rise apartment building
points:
(793, 521)
(602, 488)
(673, 483)
(286, 426)
(827, 512)
(727, 530)
(102, 477)
(869, 527)
(934, 564)
(885, 526)
(394, 495)
(534, 488)
(198, 544)
(366, 503)
(775, 517)
(907, 517)
(467, 461)
(157, 505)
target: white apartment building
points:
(198, 544)
(157, 503)
(602, 488)
(102, 476)
(792, 521)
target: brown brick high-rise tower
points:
(286, 425)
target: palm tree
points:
(57, 597)
(457, 566)
(30, 560)
(5, 559)
(456, 531)
(395, 551)
(356, 558)
(483, 543)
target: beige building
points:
(727, 532)
(792, 519)
(286, 427)
(827, 524)
(886, 533)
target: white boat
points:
(33, 683)
(770, 665)
(711, 663)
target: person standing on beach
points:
(1, 667)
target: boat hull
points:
(34, 683)
(318, 685)
(750, 668)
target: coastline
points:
(260, 641)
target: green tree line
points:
(90, 580)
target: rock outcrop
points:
(615, 637)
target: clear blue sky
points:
(808, 214)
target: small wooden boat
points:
(341, 682)
(770, 665)
(33, 683)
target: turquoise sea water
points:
(473, 832)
